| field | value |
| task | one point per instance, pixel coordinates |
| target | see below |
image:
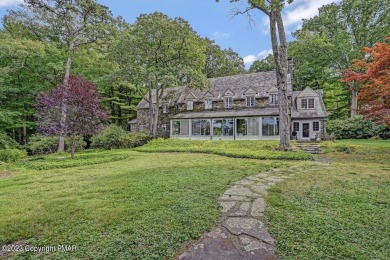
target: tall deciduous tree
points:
(71, 23)
(220, 63)
(328, 42)
(160, 52)
(374, 77)
(266, 64)
(84, 117)
(273, 9)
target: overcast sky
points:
(250, 39)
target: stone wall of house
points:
(164, 118)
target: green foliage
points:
(220, 63)
(262, 150)
(12, 155)
(266, 64)
(357, 128)
(40, 144)
(113, 137)
(7, 142)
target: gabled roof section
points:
(250, 92)
(272, 90)
(228, 93)
(208, 95)
(308, 92)
(190, 96)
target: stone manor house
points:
(235, 108)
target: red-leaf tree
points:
(85, 115)
(373, 76)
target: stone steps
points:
(313, 148)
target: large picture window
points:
(270, 126)
(223, 127)
(180, 127)
(201, 127)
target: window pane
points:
(217, 127)
(208, 104)
(190, 105)
(304, 103)
(205, 127)
(268, 126)
(311, 103)
(253, 126)
(195, 127)
(176, 127)
(316, 126)
(296, 126)
(228, 127)
(185, 127)
(228, 102)
(241, 126)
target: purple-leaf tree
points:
(84, 116)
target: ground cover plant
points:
(238, 149)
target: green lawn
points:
(336, 211)
(126, 204)
(143, 207)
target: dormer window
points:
(228, 102)
(165, 108)
(307, 103)
(250, 101)
(208, 104)
(190, 105)
(273, 99)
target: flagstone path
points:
(241, 232)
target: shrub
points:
(7, 142)
(114, 137)
(357, 128)
(39, 144)
(12, 155)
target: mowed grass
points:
(335, 211)
(253, 149)
(146, 206)
(123, 204)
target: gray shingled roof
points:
(260, 82)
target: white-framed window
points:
(165, 108)
(228, 102)
(296, 126)
(273, 99)
(165, 127)
(250, 101)
(311, 102)
(316, 126)
(307, 103)
(208, 104)
(190, 105)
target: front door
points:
(305, 130)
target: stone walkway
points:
(241, 232)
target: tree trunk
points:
(73, 147)
(155, 116)
(61, 144)
(151, 119)
(354, 102)
(281, 64)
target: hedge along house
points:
(234, 108)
